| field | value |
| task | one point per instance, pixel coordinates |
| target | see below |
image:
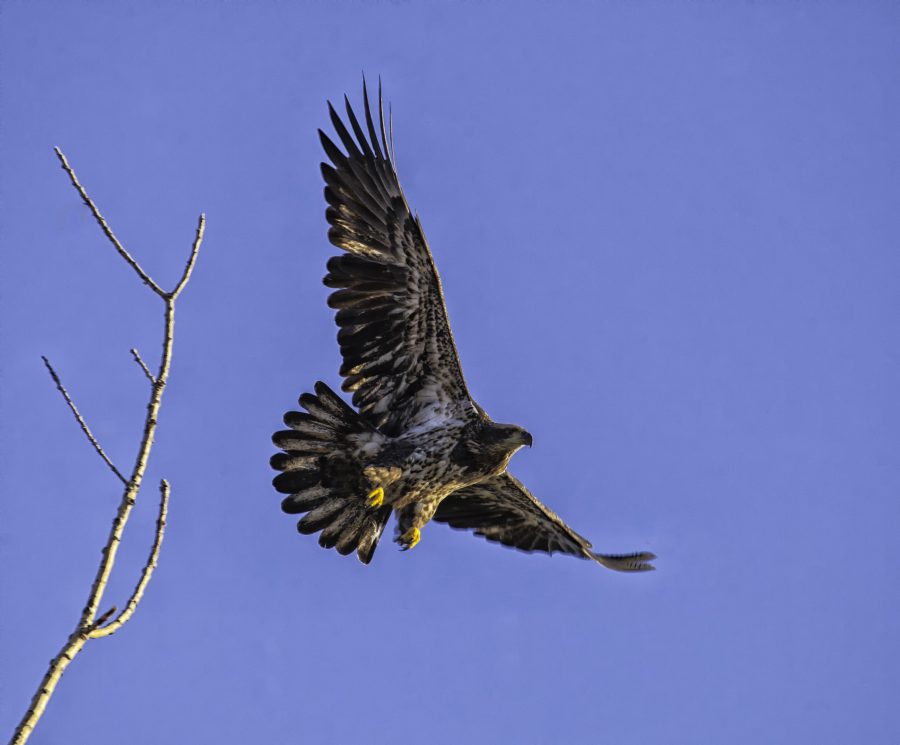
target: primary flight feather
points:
(416, 445)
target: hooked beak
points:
(526, 438)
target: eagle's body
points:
(468, 454)
(418, 446)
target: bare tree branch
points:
(84, 428)
(89, 626)
(192, 259)
(143, 366)
(106, 229)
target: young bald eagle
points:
(418, 446)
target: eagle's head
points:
(512, 436)
(500, 441)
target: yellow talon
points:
(409, 539)
(375, 497)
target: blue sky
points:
(668, 236)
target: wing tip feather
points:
(633, 562)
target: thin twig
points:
(84, 428)
(105, 617)
(192, 259)
(140, 361)
(101, 630)
(106, 229)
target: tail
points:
(323, 477)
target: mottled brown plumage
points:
(418, 445)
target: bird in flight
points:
(416, 444)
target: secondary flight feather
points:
(416, 445)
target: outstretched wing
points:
(399, 359)
(501, 509)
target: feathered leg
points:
(411, 520)
(380, 477)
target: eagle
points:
(416, 444)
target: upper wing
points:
(398, 353)
(502, 509)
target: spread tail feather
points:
(323, 478)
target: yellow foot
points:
(409, 539)
(375, 497)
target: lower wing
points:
(501, 509)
